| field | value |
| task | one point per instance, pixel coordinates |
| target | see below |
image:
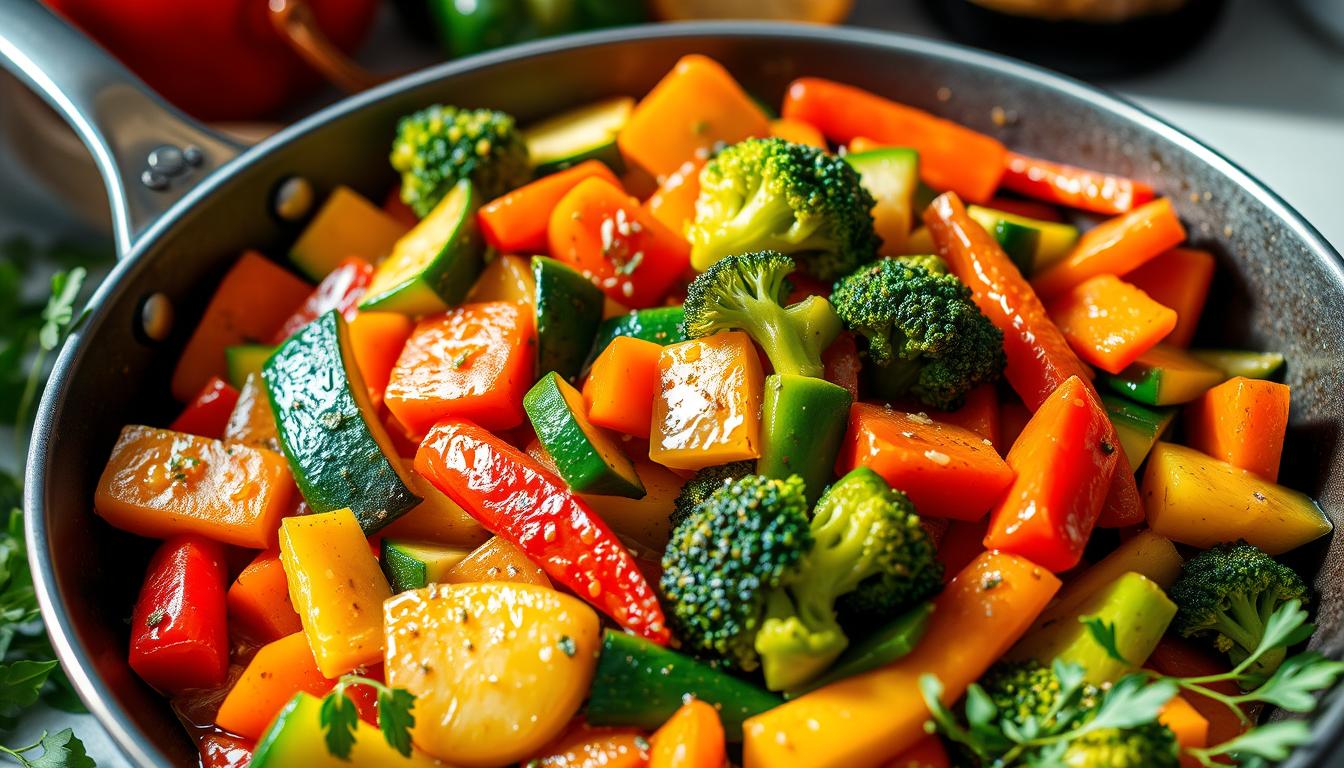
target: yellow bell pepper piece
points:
(1148, 554)
(708, 407)
(507, 278)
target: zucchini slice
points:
(410, 565)
(338, 450)
(661, 325)
(346, 225)
(588, 459)
(586, 133)
(1052, 239)
(1237, 362)
(891, 175)
(1165, 375)
(568, 311)
(244, 359)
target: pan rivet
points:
(156, 316)
(167, 160)
(154, 180)
(194, 156)
(293, 198)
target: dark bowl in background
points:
(1280, 285)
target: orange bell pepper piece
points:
(1178, 279)
(798, 132)
(1109, 322)
(674, 202)
(1243, 422)
(279, 670)
(1191, 727)
(516, 222)
(584, 746)
(708, 407)
(620, 389)
(259, 602)
(691, 738)
(1072, 186)
(377, 339)
(1118, 246)
(497, 560)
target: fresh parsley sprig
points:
(339, 717)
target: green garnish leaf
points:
(395, 718)
(61, 750)
(1104, 634)
(339, 717)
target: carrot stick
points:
(1191, 727)
(1178, 279)
(1117, 246)
(691, 738)
(1109, 322)
(1072, 186)
(516, 222)
(1243, 422)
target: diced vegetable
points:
(1147, 553)
(1243, 422)
(497, 560)
(516, 222)
(660, 325)
(708, 407)
(1190, 727)
(693, 108)
(505, 278)
(1236, 362)
(376, 338)
(962, 542)
(579, 135)
(1109, 322)
(979, 414)
(568, 309)
(1181, 658)
(691, 738)
(474, 362)
(179, 630)
(340, 290)
(882, 646)
(207, 415)
(159, 483)
(890, 175)
(437, 519)
(951, 156)
(296, 738)
(625, 693)
(259, 603)
(588, 459)
(251, 302)
(928, 752)
(1072, 186)
(1064, 460)
(243, 360)
(802, 425)
(336, 587)
(1178, 278)
(946, 471)
(1195, 499)
(1115, 246)
(432, 266)
(604, 234)
(619, 390)
(251, 421)
(500, 486)
(339, 452)
(879, 714)
(674, 201)
(481, 700)
(1051, 243)
(1165, 376)
(583, 746)
(279, 670)
(411, 565)
(797, 132)
(346, 225)
(1137, 426)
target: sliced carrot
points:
(694, 107)
(1013, 417)
(1109, 322)
(674, 202)
(620, 388)
(1243, 422)
(691, 738)
(876, 716)
(516, 222)
(1191, 728)
(251, 302)
(277, 672)
(1178, 279)
(927, 753)
(979, 414)
(377, 339)
(1180, 658)
(584, 746)
(1123, 506)
(259, 600)
(1118, 246)
(506, 278)
(841, 365)
(497, 560)
(951, 156)
(208, 412)
(1072, 186)
(962, 542)
(708, 408)
(473, 361)
(946, 471)
(798, 132)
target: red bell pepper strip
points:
(1072, 186)
(179, 627)
(1039, 357)
(1064, 461)
(341, 289)
(208, 413)
(518, 499)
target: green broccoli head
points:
(925, 336)
(441, 145)
(746, 292)
(704, 483)
(1152, 745)
(726, 558)
(770, 194)
(1021, 690)
(1227, 593)
(933, 264)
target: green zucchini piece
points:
(568, 312)
(637, 683)
(338, 451)
(586, 457)
(1053, 239)
(296, 737)
(346, 225)
(891, 175)
(1165, 375)
(411, 565)
(435, 264)
(1137, 426)
(244, 359)
(924, 195)
(885, 645)
(661, 325)
(586, 133)
(1237, 362)
(803, 420)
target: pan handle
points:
(149, 153)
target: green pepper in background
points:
(471, 26)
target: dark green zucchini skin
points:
(661, 325)
(569, 310)
(803, 421)
(586, 457)
(327, 431)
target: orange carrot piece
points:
(1072, 186)
(979, 414)
(585, 746)
(708, 406)
(798, 132)
(251, 302)
(1191, 728)
(881, 713)
(621, 387)
(674, 202)
(1243, 422)
(277, 672)
(694, 107)
(1181, 658)
(691, 738)
(516, 222)
(927, 753)
(1109, 322)
(1013, 417)
(497, 560)
(951, 156)
(259, 601)
(1178, 279)
(1118, 246)
(947, 471)
(377, 339)
(962, 542)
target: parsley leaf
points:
(339, 717)
(61, 750)
(395, 718)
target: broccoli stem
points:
(777, 330)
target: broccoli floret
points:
(441, 145)
(933, 264)
(770, 194)
(925, 336)
(705, 482)
(1227, 593)
(1024, 689)
(746, 292)
(1152, 745)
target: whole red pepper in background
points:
(518, 499)
(208, 413)
(179, 628)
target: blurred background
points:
(1261, 82)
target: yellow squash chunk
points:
(1148, 553)
(437, 519)
(159, 483)
(497, 669)
(497, 560)
(336, 587)
(346, 225)
(1193, 498)
(708, 407)
(252, 420)
(507, 278)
